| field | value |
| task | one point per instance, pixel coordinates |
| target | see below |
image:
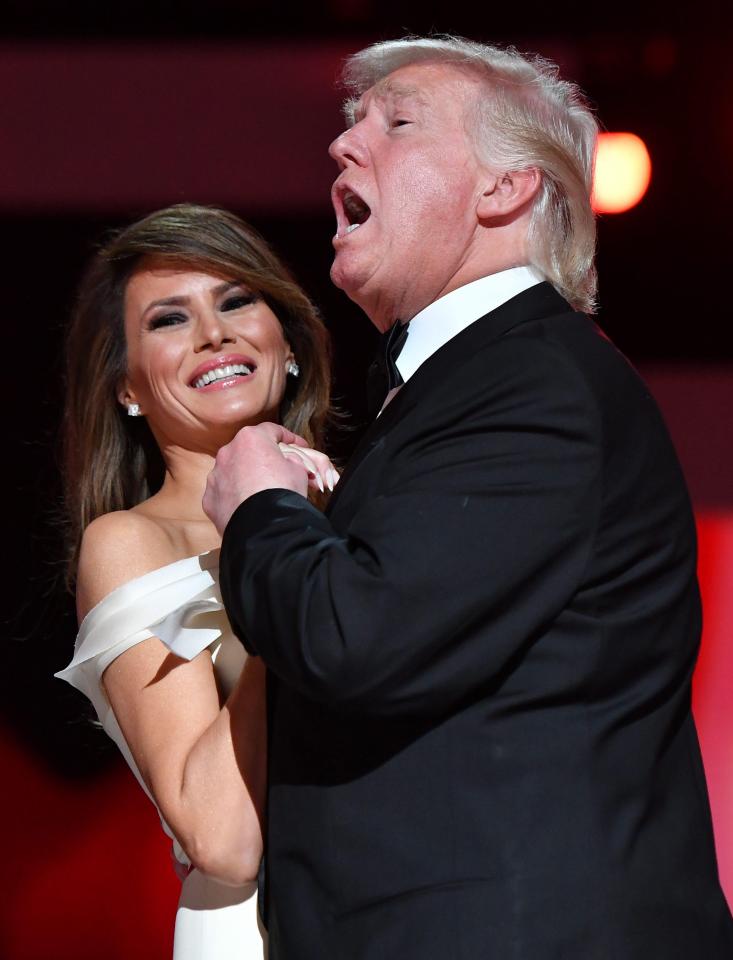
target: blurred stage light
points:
(623, 171)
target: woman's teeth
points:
(352, 227)
(221, 373)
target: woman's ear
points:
(506, 193)
(126, 395)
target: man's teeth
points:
(221, 373)
(355, 211)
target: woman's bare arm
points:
(204, 763)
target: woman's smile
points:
(230, 370)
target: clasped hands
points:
(266, 456)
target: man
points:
(480, 734)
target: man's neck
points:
(385, 314)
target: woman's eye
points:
(167, 320)
(238, 301)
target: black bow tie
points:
(383, 374)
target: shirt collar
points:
(442, 320)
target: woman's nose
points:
(212, 332)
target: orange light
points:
(623, 171)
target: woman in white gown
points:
(186, 329)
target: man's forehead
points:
(416, 81)
(394, 86)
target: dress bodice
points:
(179, 603)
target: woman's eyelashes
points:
(238, 300)
(166, 320)
(231, 302)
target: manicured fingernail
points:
(319, 481)
(329, 479)
(336, 476)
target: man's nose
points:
(348, 147)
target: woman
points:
(187, 328)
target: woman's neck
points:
(182, 491)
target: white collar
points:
(440, 321)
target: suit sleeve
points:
(477, 544)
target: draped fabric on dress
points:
(181, 605)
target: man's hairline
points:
(470, 71)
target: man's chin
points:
(337, 278)
(358, 286)
(345, 279)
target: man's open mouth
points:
(356, 211)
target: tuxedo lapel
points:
(539, 301)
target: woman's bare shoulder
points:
(116, 548)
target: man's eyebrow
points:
(389, 89)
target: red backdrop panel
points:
(713, 686)
(136, 126)
(86, 866)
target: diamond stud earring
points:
(293, 369)
(133, 409)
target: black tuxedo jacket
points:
(480, 735)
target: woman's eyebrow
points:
(183, 300)
(167, 302)
(228, 285)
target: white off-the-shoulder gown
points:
(181, 604)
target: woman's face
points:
(205, 355)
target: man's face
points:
(410, 179)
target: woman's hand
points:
(255, 461)
(322, 475)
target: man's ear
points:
(507, 193)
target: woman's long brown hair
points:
(111, 461)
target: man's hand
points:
(263, 457)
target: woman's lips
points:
(219, 371)
(225, 383)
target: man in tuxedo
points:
(480, 737)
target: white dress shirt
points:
(440, 321)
